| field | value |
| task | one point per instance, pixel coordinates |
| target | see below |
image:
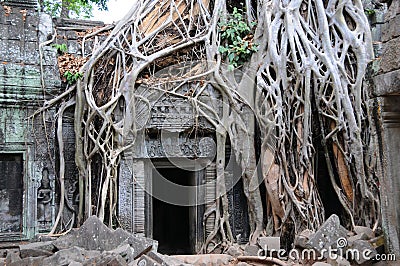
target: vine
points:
(237, 36)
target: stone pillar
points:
(386, 94)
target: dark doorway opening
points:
(11, 192)
(172, 224)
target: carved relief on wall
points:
(180, 147)
(44, 202)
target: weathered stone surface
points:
(75, 263)
(364, 230)
(106, 260)
(394, 9)
(12, 257)
(321, 264)
(234, 251)
(391, 54)
(365, 251)
(207, 259)
(388, 83)
(145, 260)
(125, 251)
(328, 235)
(340, 261)
(251, 250)
(361, 236)
(391, 29)
(94, 235)
(30, 261)
(159, 259)
(66, 256)
(268, 243)
(301, 240)
(36, 249)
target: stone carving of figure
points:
(44, 197)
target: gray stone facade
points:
(27, 141)
(386, 105)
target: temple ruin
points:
(171, 145)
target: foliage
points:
(61, 48)
(72, 77)
(238, 38)
(369, 12)
(76, 8)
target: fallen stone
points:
(30, 261)
(340, 261)
(106, 260)
(207, 259)
(364, 230)
(251, 250)
(164, 259)
(140, 245)
(45, 238)
(365, 251)
(385, 84)
(67, 256)
(234, 251)
(36, 249)
(301, 240)
(268, 243)
(125, 251)
(75, 263)
(362, 236)
(94, 235)
(12, 257)
(330, 235)
(145, 260)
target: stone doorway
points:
(11, 193)
(173, 225)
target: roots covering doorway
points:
(173, 225)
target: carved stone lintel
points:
(180, 147)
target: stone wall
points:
(22, 92)
(386, 103)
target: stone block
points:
(340, 261)
(234, 251)
(73, 47)
(11, 50)
(329, 236)
(268, 243)
(36, 249)
(365, 251)
(94, 235)
(391, 29)
(319, 263)
(12, 257)
(66, 256)
(364, 230)
(31, 53)
(393, 10)
(106, 260)
(207, 259)
(30, 261)
(251, 250)
(146, 260)
(301, 240)
(391, 54)
(125, 251)
(386, 84)
(30, 34)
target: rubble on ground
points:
(96, 244)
